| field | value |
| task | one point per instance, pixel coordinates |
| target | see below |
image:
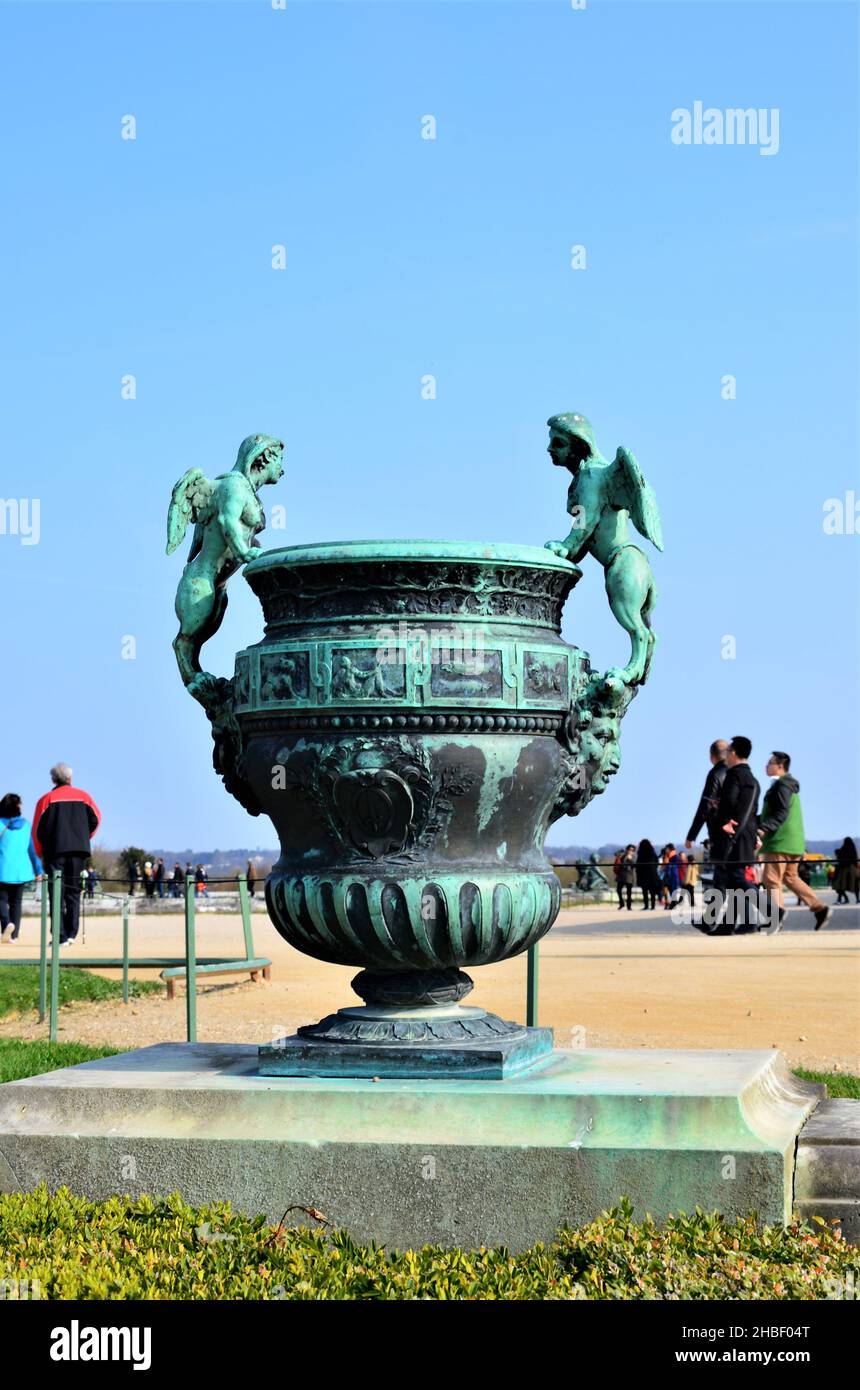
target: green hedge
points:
(143, 1249)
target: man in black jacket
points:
(64, 822)
(707, 807)
(734, 840)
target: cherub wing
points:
(631, 491)
(189, 502)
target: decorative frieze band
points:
(507, 679)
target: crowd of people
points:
(746, 839)
(153, 877)
(748, 846)
(662, 877)
(741, 833)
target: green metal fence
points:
(190, 966)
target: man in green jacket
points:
(782, 844)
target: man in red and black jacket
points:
(64, 822)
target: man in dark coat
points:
(706, 811)
(733, 845)
(64, 822)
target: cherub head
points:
(571, 440)
(259, 458)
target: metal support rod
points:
(125, 950)
(43, 951)
(190, 963)
(245, 905)
(56, 928)
(532, 987)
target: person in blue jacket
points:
(19, 864)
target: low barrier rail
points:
(172, 968)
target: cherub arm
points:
(575, 544)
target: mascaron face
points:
(598, 746)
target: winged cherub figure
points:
(227, 515)
(602, 498)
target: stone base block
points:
(827, 1180)
(406, 1162)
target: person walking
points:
(64, 823)
(251, 876)
(616, 865)
(19, 864)
(846, 879)
(669, 875)
(158, 876)
(782, 845)
(693, 875)
(682, 873)
(625, 874)
(733, 843)
(646, 874)
(148, 878)
(177, 881)
(201, 878)
(689, 875)
(133, 877)
(706, 811)
(92, 881)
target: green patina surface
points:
(349, 551)
(412, 722)
(672, 1130)
(524, 900)
(589, 1099)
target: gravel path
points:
(606, 980)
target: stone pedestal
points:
(827, 1178)
(406, 1162)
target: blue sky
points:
(404, 257)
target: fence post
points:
(245, 905)
(190, 963)
(56, 927)
(532, 987)
(43, 950)
(125, 950)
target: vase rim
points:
(326, 552)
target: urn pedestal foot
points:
(377, 1041)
